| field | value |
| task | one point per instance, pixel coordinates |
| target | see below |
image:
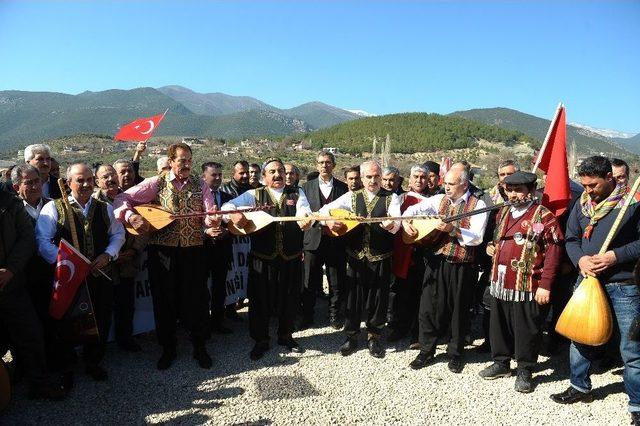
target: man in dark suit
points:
(321, 249)
(219, 251)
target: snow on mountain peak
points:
(361, 113)
(607, 133)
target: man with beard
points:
(450, 273)
(408, 269)
(100, 239)
(219, 250)
(433, 178)
(291, 175)
(176, 254)
(369, 251)
(239, 182)
(254, 176)
(526, 251)
(322, 249)
(352, 178)
(587, 227)
(275, 258)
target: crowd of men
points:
(513, 263)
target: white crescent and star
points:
(151, 126)
(68, 264)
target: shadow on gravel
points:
(284, 387)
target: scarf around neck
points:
(597, 212)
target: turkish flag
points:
(139, 130)
(556, 195)
(72, 269)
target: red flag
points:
(71, 270)
(139, 130)
(553, 162)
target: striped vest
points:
(449, 247)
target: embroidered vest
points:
(370, 240)
(279, 239)
(449, 246)
(183, 232)
(93, 230)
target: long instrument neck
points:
(487, 209)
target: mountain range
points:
(28, 117)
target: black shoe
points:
(306, 323)
(396, 335)
(290, 344)
(258, 351)
(635, 418)
(485, 347)
(415, 346)
(349, 346)
(233, 315)
(455, 364)
(336, 323)
(200, 354)
(572, 395)
(166, 359)
(129, 346)
(46, 391)
(375, 348)
(495, 371)
(524, 382)
(421, 360)
(220, 329)
(96, 372)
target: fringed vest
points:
(370, 240)
(449, 247)
(182, 232)
(278, 239)
(92, 231)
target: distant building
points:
(194, 141)
(332, 150)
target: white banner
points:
(238, 274)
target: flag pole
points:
(546, 138)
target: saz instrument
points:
(158, 218)
(587, 317)
(426, 225)
(256, 220)
(5, 386)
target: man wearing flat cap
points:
(275, 260)
(526, 250)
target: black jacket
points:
(311, 189)
(17, 238)
(234, 188)
(220, 250)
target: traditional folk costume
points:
(450, 274)
(369, 250)
(528, 251)
(98, 232)
(275, 264)
(177, 273)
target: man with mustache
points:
(275, 261)
(587, 227)
(176, 253)
(369, 251)
(100, 238)
(254, 175)
(352, 178)
(450, 272)
(239, 182)
(433, 178)
(107, 183)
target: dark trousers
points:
(447, 294)
(124, 304)
(331, 255)
(179, 292)
(19, 319)
(274, 290)
(404, 301)
(516, 331)
(368, 293)
(101, 292)
(218, 272)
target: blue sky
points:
(378, 56)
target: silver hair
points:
(419, 168)
(325, 153)
(390, 169)
(162, 162)
(37, 148)
(71, 166)
(19, 170)
(506, 163)
(368, 164)
(126, 162)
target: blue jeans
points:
(625, 303)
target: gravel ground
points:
(316, 387)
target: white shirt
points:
(477, 223)
(344, 202)
(325, 187)
(517, 212)
(46, 227)
(34, 212)
(248, 199)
